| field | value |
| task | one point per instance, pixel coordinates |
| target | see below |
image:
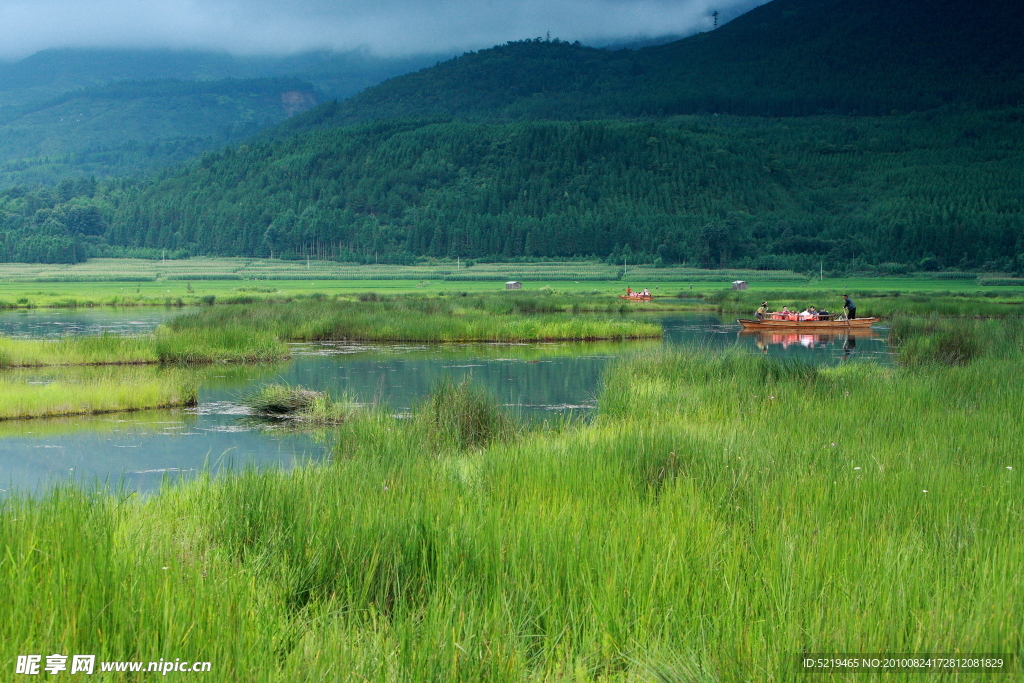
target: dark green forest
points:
(834, 133)
(931, 190)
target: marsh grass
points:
(217, 344)
(99, 390)
(958, 341)
(97, 350)
(442, 319)
(723, 513)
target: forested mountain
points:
(549, 149)
(938, 188)
(784, 58)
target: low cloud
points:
(386, 27)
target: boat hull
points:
(855, 324)
(635, 298)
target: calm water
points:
(138, 450)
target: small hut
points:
(739, 284)
(512, 284)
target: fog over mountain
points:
(387, 27)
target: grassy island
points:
(192, 346)
(424, 319)
(92, 390)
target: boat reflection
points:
(847, 339)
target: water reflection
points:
(42, 323)
(828, 344)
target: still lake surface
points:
(140, 450)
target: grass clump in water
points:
(280, 401)
(463, 416)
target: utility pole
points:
(715, 15)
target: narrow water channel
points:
(139, 450)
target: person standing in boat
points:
(762, 311)
(850, 306)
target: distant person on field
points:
(850, 306)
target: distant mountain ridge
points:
(50, 73)
(115, 112)
(132, 126)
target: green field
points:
(724, 513)
(130, 282)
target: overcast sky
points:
(387, 27)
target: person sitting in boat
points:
(814, 313)
(762, 311)
(824, 315)
(805, 315)
(647, 292)
(782, 315)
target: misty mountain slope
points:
(130, 126)
(788, 57)
(50, 73)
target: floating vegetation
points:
(282, 402)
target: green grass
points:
(435, 319)
(725, 512)
(102, 390)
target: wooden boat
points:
(838, 325)
(639, 297)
